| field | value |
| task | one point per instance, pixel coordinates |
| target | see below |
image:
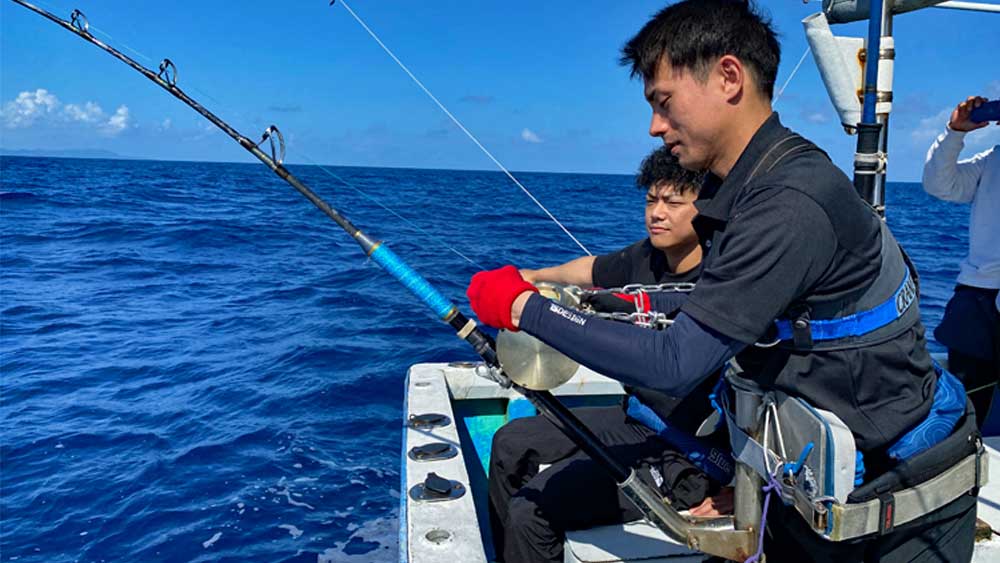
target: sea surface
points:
(197, 365)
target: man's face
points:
(668, 217)
(687, 114)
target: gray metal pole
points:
(749, 495)
(883, 118)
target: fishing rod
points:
(710, 538)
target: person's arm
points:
(944, 176)
(768, 254)
(673, 361)
(575, 272)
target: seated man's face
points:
(668, 217)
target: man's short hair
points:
(661, 167)
(694, 34)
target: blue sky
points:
(537, 82)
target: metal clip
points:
(281, 143)
(493, 374)
(79, 21)
(168, 72)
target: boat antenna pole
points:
(645, 497)
(870, 157)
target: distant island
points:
(65, 153)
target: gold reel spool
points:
(528, 361)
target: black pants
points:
(530, 512)
(979, 378)
(970, 330)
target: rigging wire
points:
(790, 76)
(459, 124)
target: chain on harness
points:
(640, 292)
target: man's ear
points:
(731, 77)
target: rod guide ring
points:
(168, 72)
(277, 153)
(79, 21)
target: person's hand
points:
(492, 295)
(960, 117)
(529, 275)
(617, 302)
(719, 505)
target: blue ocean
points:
(198, 365)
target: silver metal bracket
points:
(427, 421)
(879, 159)
(433, 451)
(437, 489)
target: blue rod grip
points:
(413, 281)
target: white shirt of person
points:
(976, 181)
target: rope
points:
(987, 386)
(771, 486)
(462, 127)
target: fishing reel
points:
(531, 363)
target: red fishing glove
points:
(492, 295)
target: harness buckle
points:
(802, 329)
(886, 513)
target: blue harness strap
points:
(859, 323)
(947, 408)
(716, 463)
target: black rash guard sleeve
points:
(673, 361)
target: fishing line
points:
(149, 61)
(404, 219)
(459, 124)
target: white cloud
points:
(166, 124)
(117, 122)
(43, 107)
(202, 130)
(982, 139)
(530, 136)
(88, 113)
(817, 117)
(27, 107)
(976, 141)
(930, 127)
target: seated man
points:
(531, 511)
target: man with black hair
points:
(530, 510)
(791, 254)
(669, 254)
